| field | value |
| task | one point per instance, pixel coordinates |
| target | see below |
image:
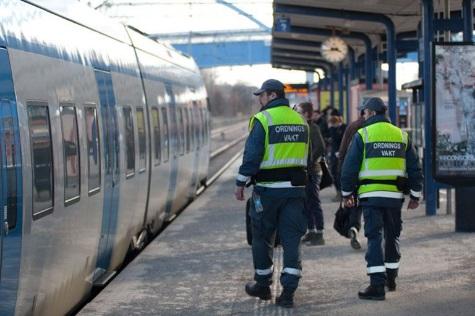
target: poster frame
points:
(460, 178)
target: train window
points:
(141, 134)
(197, 126)
(203, 126)
(42, 159)
(93, 151)
(129, 142)
(183, 129)
(203, 122)
(156, 136)
(71, 163)
(207, 124)
(186, 126)
(189, 130)
(181, 140)
(165, 135)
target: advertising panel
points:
(454, 112)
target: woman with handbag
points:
(336, 129)
(355, 212)
(314, 235)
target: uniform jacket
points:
(323, 125)
(336, 136)
(254, 152)
(352, 164)
(348, 136)
(317, 146)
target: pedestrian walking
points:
(381, 164)
(320, 119)
(275, 157)
(314, 235)
(336, 129)
(355, 212)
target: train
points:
(104, 137)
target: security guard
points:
(275, 158)
(380, 165)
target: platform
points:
(200, 263)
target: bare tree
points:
(229, 100)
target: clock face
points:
(334, 49)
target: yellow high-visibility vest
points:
(286, 139)
(384, 158)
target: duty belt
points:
(400, 183)
(296, 175)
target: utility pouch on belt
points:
(297, 176)
(401, 183)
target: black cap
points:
(270, 85)
(335, 112)
(374, 104)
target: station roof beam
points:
(323, 12)
(354, 40)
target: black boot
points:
(373, 292)
(317, 239)
(286, 299)
(354, 242)
(256, 290)
(391, 275)
(308, 236)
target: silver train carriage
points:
(104, 135)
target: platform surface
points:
(201, 262)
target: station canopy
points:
(302, 33)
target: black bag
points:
(249, 226)
(327, 179)
(342, 220)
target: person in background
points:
(336, 129)
(355, 214)
(380, 166)
(320, 119)
(275, 157)
(314, 235)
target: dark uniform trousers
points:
(378, 219)
(355, 217)
(285, 214)
(312, 201)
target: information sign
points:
(454, 113)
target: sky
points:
(256, 74)
(172, 16)
(181, 16)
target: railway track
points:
(226, 146)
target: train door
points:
(196, 147)
(174, 146)
(111, 168)
(11, 207)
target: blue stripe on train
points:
(11, 253)
(110, 143)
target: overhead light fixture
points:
(334, 49)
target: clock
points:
(334, 49)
